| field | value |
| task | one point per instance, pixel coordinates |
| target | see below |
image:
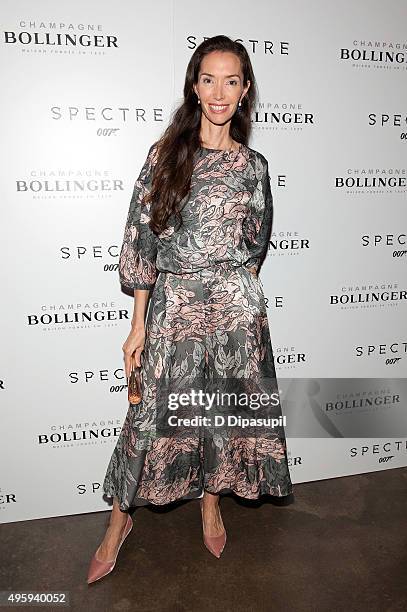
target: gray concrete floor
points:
(338, 544)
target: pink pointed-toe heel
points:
(99, 569)
(215, 544)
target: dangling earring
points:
(199, 101)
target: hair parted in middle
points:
(171, 179)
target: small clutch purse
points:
(134, 383)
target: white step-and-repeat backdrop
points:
(87, 88)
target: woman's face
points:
(220, 86)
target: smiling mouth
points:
(218, 108)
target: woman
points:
(196, 234)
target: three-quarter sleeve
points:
(257, 224)
(137, 269)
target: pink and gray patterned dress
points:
(206, 327)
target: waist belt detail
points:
(217, 267)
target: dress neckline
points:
(223, 150)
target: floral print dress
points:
(206, 327)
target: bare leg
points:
(113, 535)
(213, 523)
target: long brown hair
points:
(171, 180)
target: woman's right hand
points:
(134, 344)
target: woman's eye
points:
(209, 80)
